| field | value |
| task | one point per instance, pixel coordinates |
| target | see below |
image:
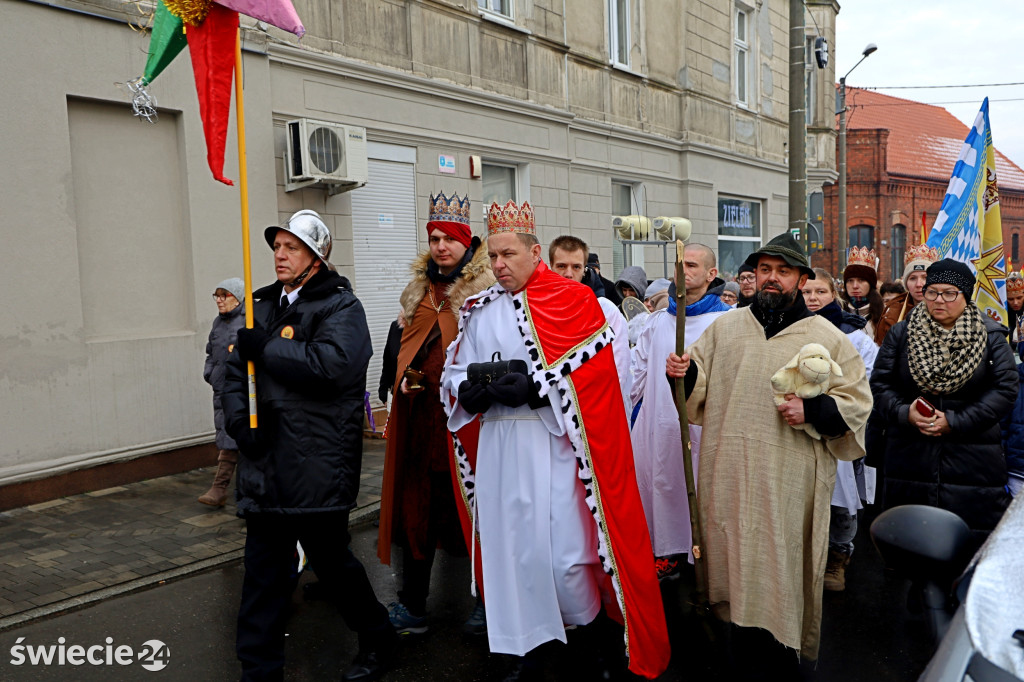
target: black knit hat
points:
(786, 248)
(744, 268)
(949, 271)
(593, 261)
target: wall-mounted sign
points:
(446, 164)
(385, 220)
(739, 217)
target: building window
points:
(739, 233)
(618, 15)
(1015, 248)
(862, 235)
(741, 49)
(899, 246)
(500, 184)
(810, 81)
(624, 202)
(502, 7)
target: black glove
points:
(251, 342)
(250, 444)
(474, 398)
(383, 395)
(512, 389)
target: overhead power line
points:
(909, 103)
(936, 87)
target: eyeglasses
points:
(947, 296)
(221, 297)
(746, 278)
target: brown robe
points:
(418, 442)
(896, 310)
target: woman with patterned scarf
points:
(946, 452)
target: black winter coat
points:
(963, 471)
(223, 334)
(310, 383)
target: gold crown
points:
(862, 256)
(510, 218)
(921, 252)
(449, 209)
(1014, 283)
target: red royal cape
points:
(570, 347)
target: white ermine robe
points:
(527, 491)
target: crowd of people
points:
(535, 429)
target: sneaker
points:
(667, 567)
(476, 624)
(835, 571)
(404, 622)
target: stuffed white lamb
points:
(807, 375)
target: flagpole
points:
(696, 534)
(243, 186)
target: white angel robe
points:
(539, 550)
(657, 446)
(620, 346)
(846, 493)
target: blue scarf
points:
(709, 304)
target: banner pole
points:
(243, 186)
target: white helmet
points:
(307, 226)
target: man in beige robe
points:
(765, 486)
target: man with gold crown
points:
(545, 467)
(418, 510)
(915, 263)
(1015, 308)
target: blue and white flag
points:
(968, 227)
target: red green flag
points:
(165, 42)
(211, 45)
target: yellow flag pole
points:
(243, 186)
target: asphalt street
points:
(866, 633)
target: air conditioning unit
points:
(326, 154)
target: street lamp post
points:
(841, 244)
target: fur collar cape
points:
(476, 276)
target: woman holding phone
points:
(942, 381)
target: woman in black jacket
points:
(946, 451)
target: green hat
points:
(786, 248)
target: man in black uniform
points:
(299, 471)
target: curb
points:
(358, 519)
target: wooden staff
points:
(696, 535)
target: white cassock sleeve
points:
(455, 374)
(620, 347)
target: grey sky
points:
(942, 42)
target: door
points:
(384, 236)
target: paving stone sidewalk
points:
(71, 551)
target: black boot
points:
(525, 669)
(376, 651)
(599, 650)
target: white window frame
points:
(742, 48)
(635, 255)
(495, 7)
(618, 23)
(520, 179)
(810, 80)
(756, 241)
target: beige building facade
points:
(585, 108)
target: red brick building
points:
(899, 157)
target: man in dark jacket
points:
(595, 281)
(299, 471)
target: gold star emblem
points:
(989, 271)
